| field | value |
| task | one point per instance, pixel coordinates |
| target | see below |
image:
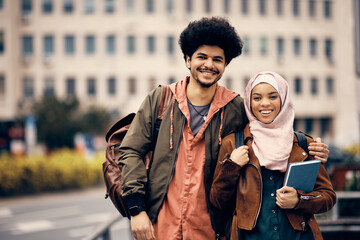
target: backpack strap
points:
(302, 141)
(165, 100)
(239, 138)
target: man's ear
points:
(188, 61)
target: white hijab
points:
(272, 142)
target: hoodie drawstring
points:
(221, 124)
(172, 124)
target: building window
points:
(109, 6)
(149, 6)
(132, 86)
(296, 6)
(309, 125)
(2, 87)
(327, 9)
(328, 49)
(91, 87)
(111, 86)
(130, 6)
(90, 44)
(314, 86)
(325, 126)
(330, 86)
(263, 46)
(280, 47)
(68, 6)
(89, 6)
(131, 44)
(313, 47)
(279, 7)
(208, 6)
(298, 88)
(70, 87)
(49, 86)
(170, 45)
(246, 47)
(47, 6)
(244, 7)
(226, 6)
(312, 8)
(28, 87)
(110, 45)
(27, 45)
(297, 46)
(169, 6)
(1, 4)
(171, 80)
(2, 42)
(26, 6)
(151, 44)
(189, 6)
(69, 45)
(229, 83)
(262, 7)
(48, 45)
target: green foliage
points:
(61, 170)
(56, 121)
(95, 120)
(59, 120)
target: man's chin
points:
(206, 84)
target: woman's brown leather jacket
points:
(246, 183)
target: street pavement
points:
(57, 216)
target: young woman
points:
(252, 175)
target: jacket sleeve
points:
(226, 176)
(135, 145)
(321, 199)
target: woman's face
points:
(265, 102)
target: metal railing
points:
(103, 231)
(334, 223)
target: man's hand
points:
(287, 197)
(141, 227)
(319, 150)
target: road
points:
(69, 215)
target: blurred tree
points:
(56, 121)
(95, 120)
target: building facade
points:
(113, 52)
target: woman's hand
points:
(240, 155)
(287, 197)
(319, 150)
(141, 227)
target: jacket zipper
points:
(176, 154)
(307, 197)
(261, 190)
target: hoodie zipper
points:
(176, 154)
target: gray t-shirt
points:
(198, 116)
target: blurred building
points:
(113, 52)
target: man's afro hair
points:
(214, 31)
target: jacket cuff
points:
(135, 200)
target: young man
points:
(171, 201)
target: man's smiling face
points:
(206, 65)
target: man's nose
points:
(209, 63)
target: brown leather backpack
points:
(114, 137)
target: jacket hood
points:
(221, 98)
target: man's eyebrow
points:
(203, 54)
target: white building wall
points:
(342, 107)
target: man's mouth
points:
(207, 71)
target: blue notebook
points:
(302, 175)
